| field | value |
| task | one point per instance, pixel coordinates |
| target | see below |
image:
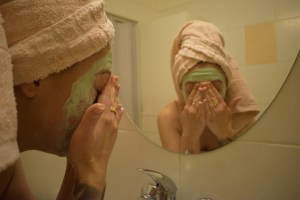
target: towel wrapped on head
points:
(43, 37)
(48, 36)
(199, 41)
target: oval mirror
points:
(262, 37)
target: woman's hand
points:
(193, 120)
(93, 140)
(219, 115)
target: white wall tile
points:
(44, 173)
(262, 80)
(242, 171)
(284, 69)
(287, 8)
(280, 123)
(235, 43)
(288, 40)
(234, 12)
(132, 151)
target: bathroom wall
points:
(262, 164)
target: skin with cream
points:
(204, 74)
(83, 95)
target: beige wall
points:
(263, 164)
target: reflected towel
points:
(9, 151)
(199, 41)
(48, 36)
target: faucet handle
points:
(149, 191)
(144, 197)
(163, 185)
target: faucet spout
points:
(164, 188)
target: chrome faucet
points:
(163, 189)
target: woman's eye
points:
(217, 85)
(189, 87)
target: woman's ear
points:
(29, 90)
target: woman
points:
(66, 95)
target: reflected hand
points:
(193, 114)
(219, 115)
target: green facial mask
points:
(203, 75)
(83, 93)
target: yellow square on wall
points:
(260, 43)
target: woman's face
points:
(190, 85)
(73, 91)
(204, 72)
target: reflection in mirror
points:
(124, 64)
(213, 104)
(262, 36)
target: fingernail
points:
(116, 78)
(118, 86)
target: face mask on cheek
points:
(83, 94)
(203, 74)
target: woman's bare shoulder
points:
(170, 108)
(169, 123)
(170, 112)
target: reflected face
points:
(190, 85)
(204, 72)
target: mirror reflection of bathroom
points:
(124, 63)
(262, 37)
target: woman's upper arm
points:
(168, 130)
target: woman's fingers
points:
(115, 106)
(213, 97)
(109, 95)
(91, 116)
(210, 101)
(114, 90)
(215, 93)
(117, 111)
(191, 98)
(83, 136)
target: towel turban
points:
(48, 36)
(198, 41)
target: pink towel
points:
(199, 41)
(48, 36)
(9, 151)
